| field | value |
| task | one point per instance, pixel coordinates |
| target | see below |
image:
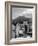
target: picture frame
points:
(9, 9)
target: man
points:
(25, 23)
(17, 29)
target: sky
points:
(16, 11)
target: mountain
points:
(20, 19)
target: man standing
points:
(26, 25)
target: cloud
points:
(21, 12)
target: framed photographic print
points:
(20, 22)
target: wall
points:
(2, 22)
